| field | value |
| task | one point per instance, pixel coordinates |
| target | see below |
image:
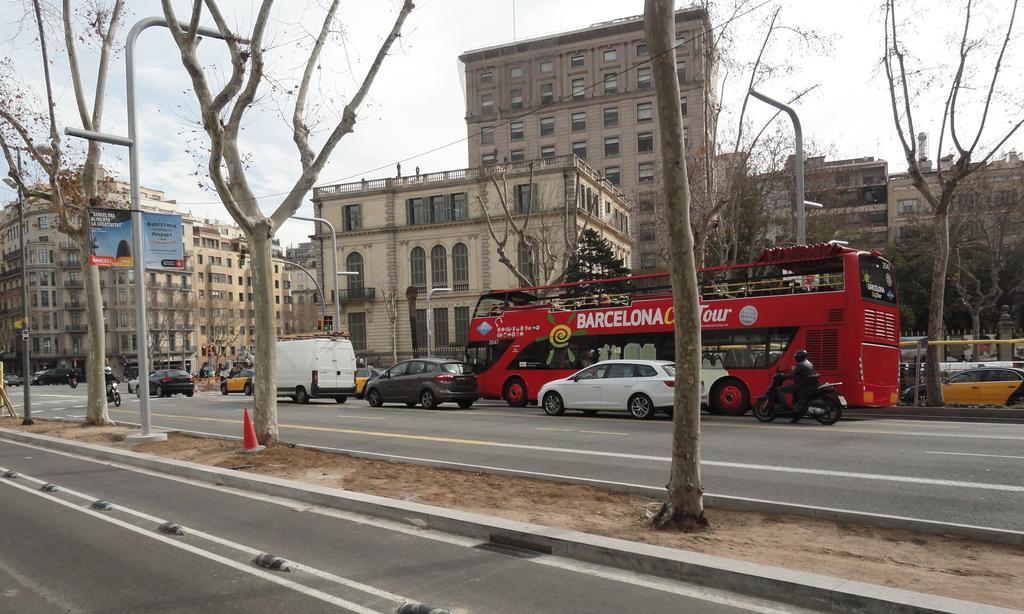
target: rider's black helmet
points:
(801, 355)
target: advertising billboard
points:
(112, 239)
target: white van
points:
(316, 367)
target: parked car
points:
(982, 386)
(57, 375)
(362, 376)
(318, 367)
(169, 382)
(426, 381)
(11, 379)
(239, 382)
(640, 387)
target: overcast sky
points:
(417, 103)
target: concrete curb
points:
(777, 584)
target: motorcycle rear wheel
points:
(832, 411)
(764, 410)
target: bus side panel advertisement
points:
(111, 237)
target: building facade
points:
(590, 92)
(301, 261)
(406, 236)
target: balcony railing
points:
(460, 286)
(69, 264)
(73, 283)
(76, 328)
(359, 294)
(78, 306)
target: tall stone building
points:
(301, 261)
(407, 235)
(590, 92)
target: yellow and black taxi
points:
(362, 376)
(238, 382)
(981, 386)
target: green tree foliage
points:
(595, 259)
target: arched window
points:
(418, 267)
(460, 267)
(354, 263)
(526, 261)
(439, 267)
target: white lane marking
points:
(543, 428)
(664, 585)
(366, 588)
(60, 603)
(253, 571)
(971, 454)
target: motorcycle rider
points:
(804, 377)
(108, 376)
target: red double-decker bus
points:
(836, 302)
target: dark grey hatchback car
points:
(424, 381)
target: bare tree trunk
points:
(936, 306)
(95, 360)
(265, 392)
(684, 506)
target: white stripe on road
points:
(253, 571)
(970, 454)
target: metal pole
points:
(334, 261)
(430, 318)
(26, 359)
(801, 233)
(323, 303)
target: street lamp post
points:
(430, 317)
(334, 261)
(319, 289)
(26, 359)
(132, 144)
(798, 197)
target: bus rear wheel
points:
(730, 397)
(515, 392)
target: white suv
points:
(641, 387)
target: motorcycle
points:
(73, 381)
(824, 403)
(113, 395)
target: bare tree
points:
(71, 188)
(684, 506)
(222, 113)
(903, 95)
(389, 294)
(220, 323)
(544, 238)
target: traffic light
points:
(319, 324)
(328, 323)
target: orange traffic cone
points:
(249, 435)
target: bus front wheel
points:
(515, 392)
(730, 397)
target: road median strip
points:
(794, 587)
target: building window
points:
(487, 135)
(611, 83)
(647, 234)
(525, 261)
(515, 72)
(517, 98)
(418, 267)
(909, 205)
(438, 267)
(645, 142)
(611, 117)
(357, 330)
(580, 149)
(648, 261)
(438, 209)
(488, 158)
(416, 212)
(646, 172)
(681, 70)
(487, 103)
(487, 76)
(460, 267)
(611, 146)
(547, 126)
(523, 198)
(643, 78)
(686, 136)
(352, 219)
(421, 328)
(683, 105)
(576, 61)
(546, 67)
(441, 338)
(612, 174)
(609, 55)
(459, 206)
(44, 223)
(577, 88)
(579, 121)
(518, 155)
(547, 151)
(641, 50)
(515, 131)
(547, 93)
(461, 326)
(644, 112)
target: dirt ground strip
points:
(949, 566)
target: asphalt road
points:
(943, 471)
(59, 555)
